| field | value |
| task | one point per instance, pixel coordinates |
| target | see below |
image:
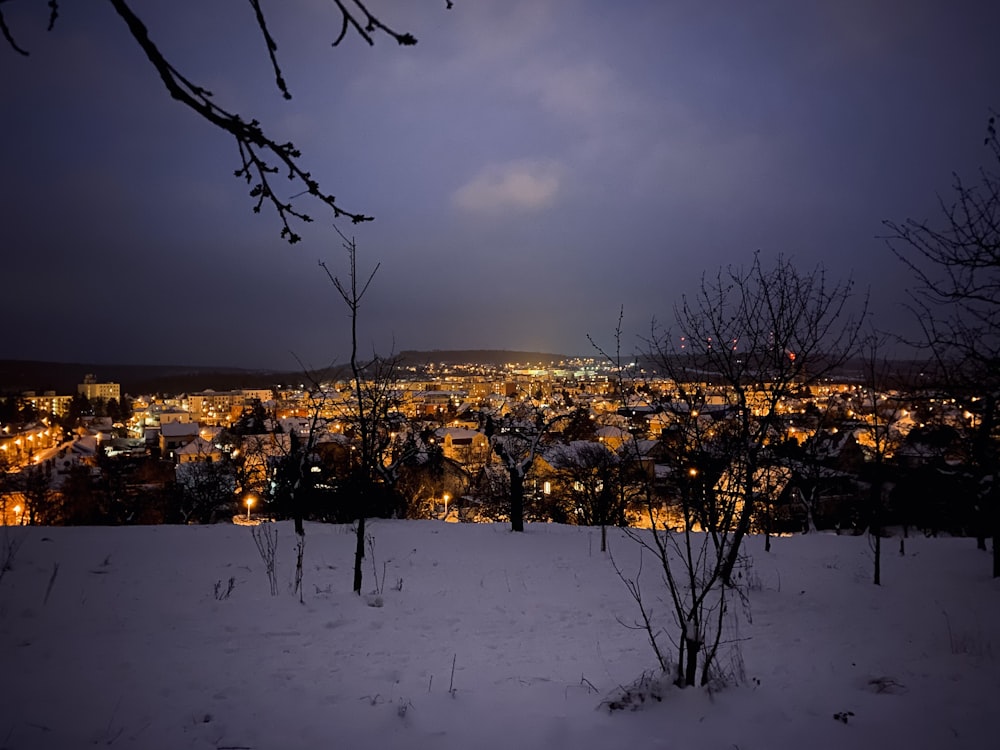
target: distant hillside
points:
(62, 377)
(477, 356)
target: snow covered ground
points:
(125, 638)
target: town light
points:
(447, 497)
(249, 505)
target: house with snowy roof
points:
(463, 445)
(200, 450)
(174, 435)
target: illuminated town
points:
(101, 456)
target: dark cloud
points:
(532, 167)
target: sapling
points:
(265, 536)
(8, 550)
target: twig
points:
(255, 147)
(451, 683)
(52, 582)
(111, 721)
(951, 637)
(300, 551)
(9, 551)
(265, 536)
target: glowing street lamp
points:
(249, 505)
(447, 497)
(17, 515)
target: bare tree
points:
(595, 474)
(428, 477)
(883, 411)
(261, 155)
(760, 333)
(301, 452)
(816, 479)
(373, 418)
(751, 336)
(206, 489)
(9, 491)
(252, 454)
(516, 438)
(42, 502)
(956, 300)
(689, 563)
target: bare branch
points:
(272, 48)
(8, 36)
(254, 144)
(369, 25)
(261, 156)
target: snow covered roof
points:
(198, 446)
(613, 432)
(456, 433)
(179, 429)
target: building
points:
(170, 414)
(467, 447)
(95, 391)
(174, 435)
(48, 403)
(224, 407)
(197, 450)
(22, 445)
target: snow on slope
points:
(131, 648)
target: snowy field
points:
(125, 638)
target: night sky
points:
(532, 166)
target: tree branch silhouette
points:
(262, 158)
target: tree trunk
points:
(516, 501)
(297, 513)
(878, 558)
(733, 554)
(996, 551)
(995, 513)
(359, 554)
(876, 527)
(691, 667)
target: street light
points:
(249, 505)
(446, 498)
